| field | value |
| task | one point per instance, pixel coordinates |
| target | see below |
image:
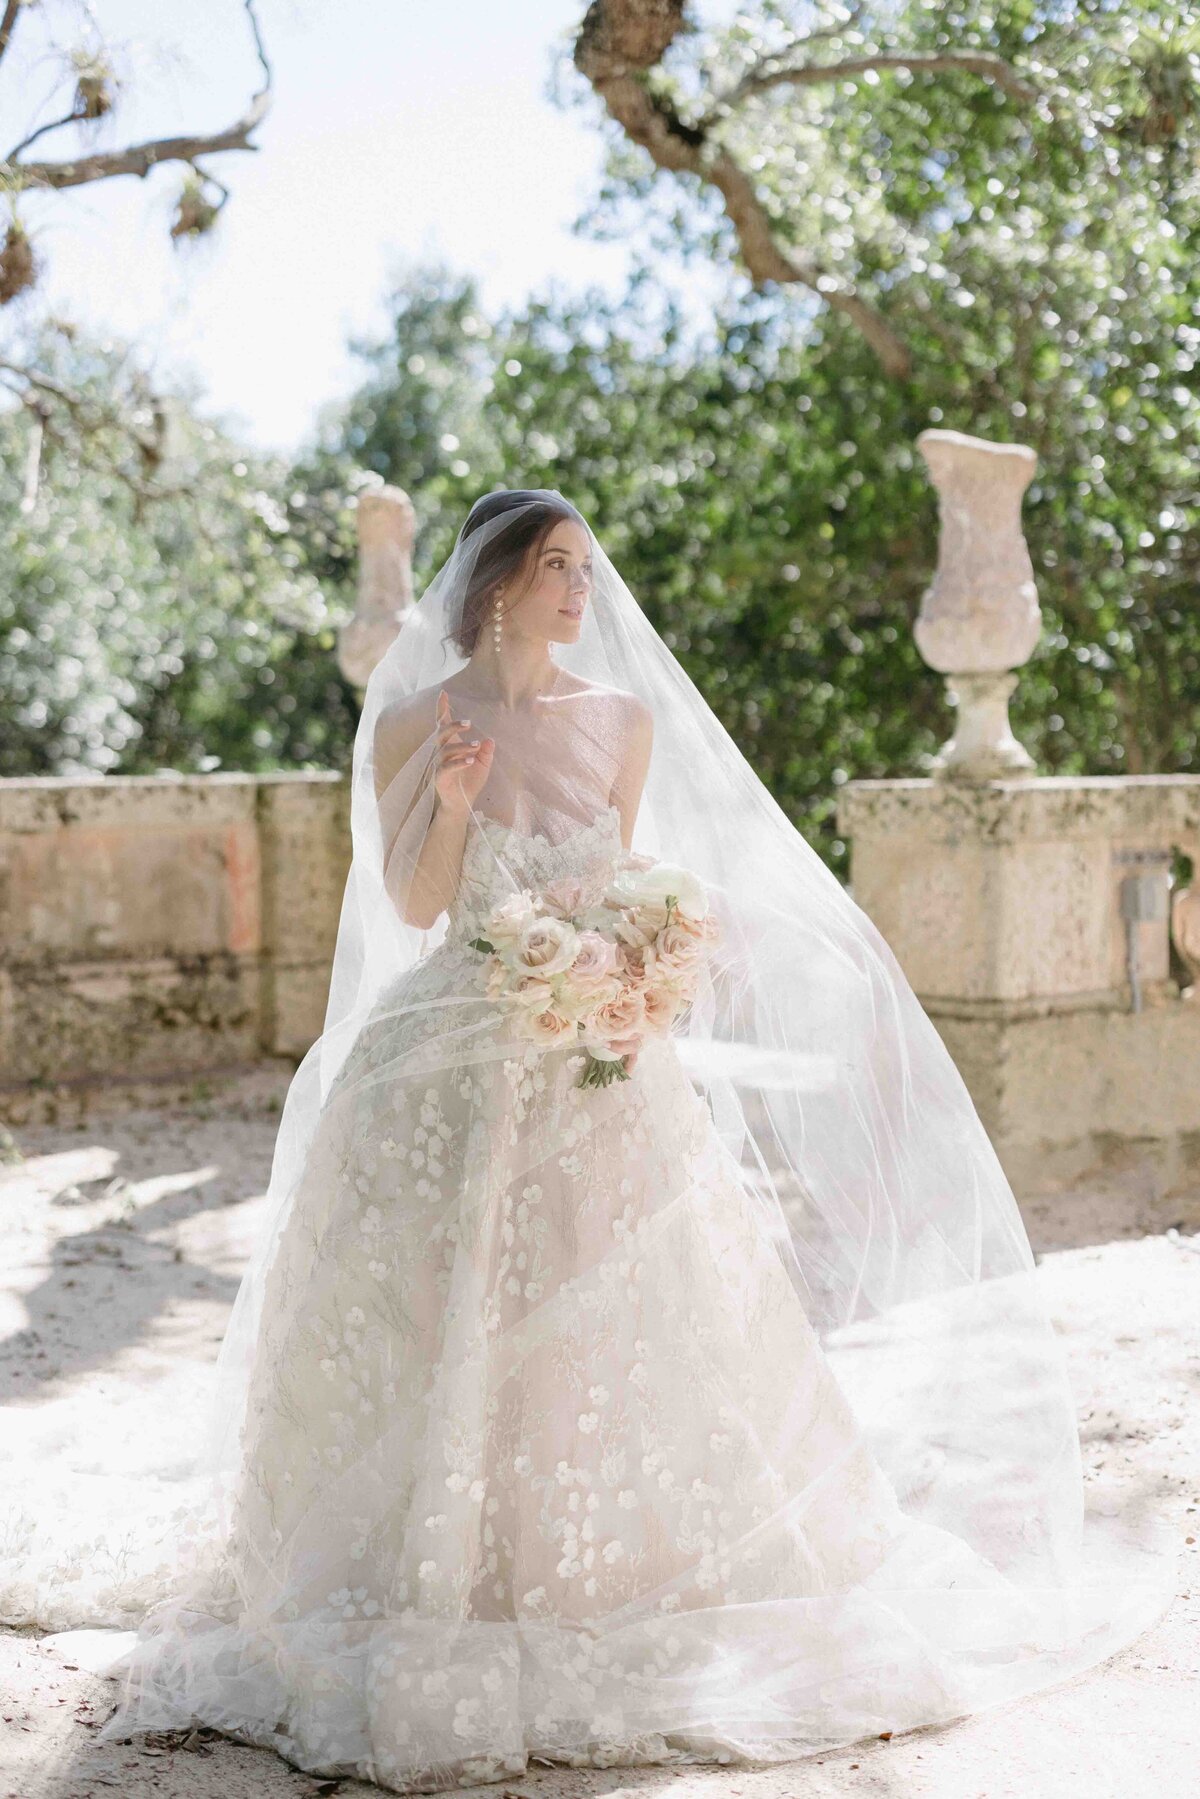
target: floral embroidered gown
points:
(542, 1455)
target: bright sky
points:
(398, 133)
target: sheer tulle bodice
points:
(500, 857)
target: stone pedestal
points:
(1004, 903)
(386, 529)
(979, 617)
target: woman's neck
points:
(518, 674)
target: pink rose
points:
(706, 930)
(547, 1028)
(620, 1019)
(661, 1008)
(632, 964)
(595, 964)
(563, 897)
(675, 956)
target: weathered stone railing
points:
(158, 926)
(1007, 905)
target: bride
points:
(620, 1378)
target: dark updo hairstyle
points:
(506, 553)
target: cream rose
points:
(638, 927)
(533, 994)
(498, 980)
(545, 947)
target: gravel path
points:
(124, 1234)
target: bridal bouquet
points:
(607, 974)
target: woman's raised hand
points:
(461, 764)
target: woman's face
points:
(552, 607)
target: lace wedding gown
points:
(542, 1455)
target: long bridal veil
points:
(856, 1143)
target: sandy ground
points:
(124, 1231)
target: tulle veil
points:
(830, 1086)
(857, 1142)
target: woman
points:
(644, 1361)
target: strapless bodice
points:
(499, 859)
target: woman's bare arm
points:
(635, 763)
(458, 768)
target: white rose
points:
(509, 920)
(545, 947)
(651, 888)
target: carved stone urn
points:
(387, 526)
(979, 618)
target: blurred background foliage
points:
(758, 485)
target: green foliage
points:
(159, 616)
(763, 496)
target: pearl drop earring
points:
(497, 615)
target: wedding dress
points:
(712, 1413)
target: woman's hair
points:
(507, 551)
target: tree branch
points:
(7, 23)
(618, 42)
(69, 118)
(37, 391)
(139, 159)
(774, 74)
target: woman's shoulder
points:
(633, 712)
(402, 727)
(404, 717)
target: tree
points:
(180, 630)
(89, 69)
(832, 135)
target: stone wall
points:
(167, 927)
(1003, 904)
(160, 926)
